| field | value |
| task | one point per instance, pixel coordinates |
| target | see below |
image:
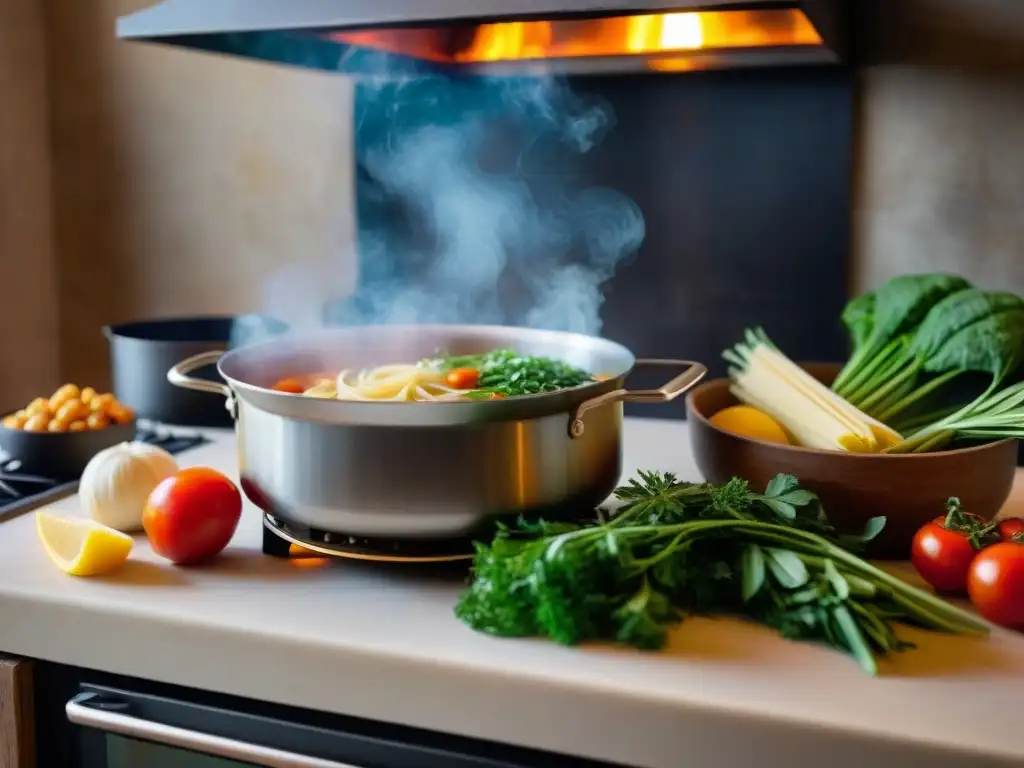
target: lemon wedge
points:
(750, 422)
(82, 547)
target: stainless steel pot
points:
(424, 470)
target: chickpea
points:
(98, 420)
(15, 420)
(39, 405)
(64, 421)
(100, 403)
(72, 410)
(62, 395)
(37, 422)
(121, 413)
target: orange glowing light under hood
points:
(661, 37)
(632, 35)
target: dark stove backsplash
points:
(695, 206)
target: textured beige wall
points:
(28, 296)
(185, 181)
(940, 171)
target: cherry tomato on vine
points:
(996, 583)
(1010, 527)
(942, 556)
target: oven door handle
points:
(80, 713)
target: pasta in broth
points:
(495, 374)
(395, 382)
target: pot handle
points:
(692, 374)
(179, 374)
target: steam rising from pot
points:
(471, 209)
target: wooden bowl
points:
(61, 455)
(908, 489)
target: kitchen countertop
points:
(376, 642)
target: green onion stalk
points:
(993, 416)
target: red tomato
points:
(462, 378)
(996, 583)
(191, 516)
(1010, 527)
(942, 557)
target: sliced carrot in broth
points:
(291, 386)
(462, 378)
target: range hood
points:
(397, 37)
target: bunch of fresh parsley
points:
(675, 548)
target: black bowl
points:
(61, 455)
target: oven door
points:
(127, 729)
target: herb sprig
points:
(506, 372)
(679, 548)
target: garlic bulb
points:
(118, 480)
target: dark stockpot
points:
(141, 353)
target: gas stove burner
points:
(362, 548)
